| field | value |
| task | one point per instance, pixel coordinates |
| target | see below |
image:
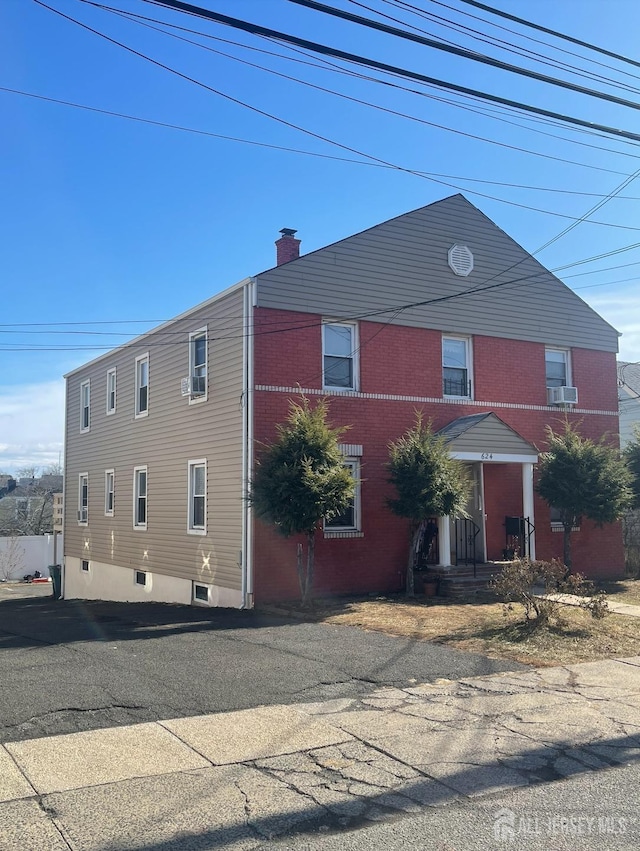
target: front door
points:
(468, 537)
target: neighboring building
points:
(628, 399)
(58, 512)
(26, 505)
(437, 310)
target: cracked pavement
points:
(299, 773)
(70, 665)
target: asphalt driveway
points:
(71, 665)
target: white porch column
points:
(444, 541)
(527, 504)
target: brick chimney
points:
(287, 247)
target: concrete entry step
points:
(459, 580)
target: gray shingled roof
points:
(457, 427)
(628, 379)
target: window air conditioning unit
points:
(82, 515)
(562, 395)
(194, 386)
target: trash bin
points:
(55, 572)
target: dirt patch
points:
(482, 626)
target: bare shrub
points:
(11, 559)
(535, 586)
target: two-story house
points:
(437, 310)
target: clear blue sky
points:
(106, 219)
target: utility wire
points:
(458, 51)
(311, 133)
(284, 148)
(491, 284)
(379, 107)
(422, 13)
(502, 14)
(281, 321)
(495, 114)
(267, 32)
(509, 47)
(473, 32)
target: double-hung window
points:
(198, 364)
(140, 498)
(197, 523)
(85, 405)
(109, 492)
(557, 367)
(349, 519)
(456, 367)
(83, 499)
(339, 349)
(142, 385)
(111, 391)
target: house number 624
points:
(486, 456)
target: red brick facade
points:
(401, 361)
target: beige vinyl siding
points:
(404, 260)
(490, 435)
(173, 433)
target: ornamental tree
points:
(582, 478)
(428, 482)
(300, 479)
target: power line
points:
(281, 321)
(502, 14)
(143, 21)
(456, 51)
(473, 32)
(286, 149)
(501, 44)
(495, 114)
(139, 20)
(316, 47)
(311, 133)
(489, 284)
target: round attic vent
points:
(461, 260)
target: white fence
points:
(24, 554)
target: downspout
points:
(247, 443)
(65, 490)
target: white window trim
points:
(108, 512)
(84, 522)
(469, 351)
(136, 471)
(112, 372)
(355, 530)
(200, 332)
(196, 600)
(191, 529)
(567, 360)
(86, 384)
(353, 326)
(138, 413)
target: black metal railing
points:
(456, 387)
(518, 532)
(466, 532)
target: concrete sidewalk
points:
(238, 779)
(628, 609)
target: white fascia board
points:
(495, 457)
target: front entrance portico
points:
(501, 466)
